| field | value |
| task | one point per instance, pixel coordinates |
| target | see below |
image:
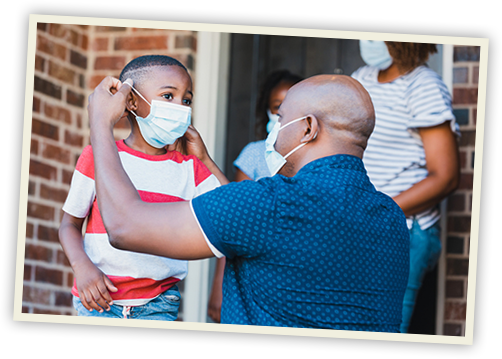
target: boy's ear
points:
(311, 129)
(132, 102)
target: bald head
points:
(339, 102)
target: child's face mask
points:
(165, 124)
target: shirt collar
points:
(335, 161)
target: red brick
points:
(63, 299)
(51, 48)
(466, 181)
(69, 279)
(61, 73)
(475, 74)
(95, 80)
(452, 330)
(67, 177)
(454, 311)
(36, 295)
(27, 272)
(454, 288)
(74, 37)
(474, 115)
(55, 194)
(456, 202)
(42, 170)
(465, 96)
(463, 159)
(73, 139)
(38, 253)
(48, 311)
(39, 63)
(109, 63)
(141, 43)
(78, 59)
(41, 26)
(57, 113)
(40, 211)
(61, 258)
(56, 153)
(84, 44)
(79, 120)
(32, 187)
(36, 104)
(45, 129)
(34, 147)
(29, 230)
(47, 88)
(100, 44)
(47, 233)
(459, 224)
(110, 29)
(59, 30)
(184, 41)
(468, 138)
(48, 275)
(457, 266)
(74, 98)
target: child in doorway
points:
(122, 284)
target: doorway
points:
(252, 58)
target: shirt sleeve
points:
(204, 180)
(430, 102)
(237, 218)
(82, 189)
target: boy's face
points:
(164, 83)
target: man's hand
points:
(108, 102)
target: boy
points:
(114, 283)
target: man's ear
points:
(311, 130)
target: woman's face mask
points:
(165, 124)
(272, 120)
(375, 53)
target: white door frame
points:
(209, 113)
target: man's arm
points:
(165, 229)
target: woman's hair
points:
(409, 55)
(262, 105)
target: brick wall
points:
(58, 136)
(70, 61)
(465, 97)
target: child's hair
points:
(262, 105)
(137, 69)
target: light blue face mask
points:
(272, 120)
(375, 53)
(275, 161)
(165, 124)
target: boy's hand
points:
(191, 144)
(93, 287)
(108, 101)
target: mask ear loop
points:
(140, 95)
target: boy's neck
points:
(137, 143)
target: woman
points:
(412, 154)
(250, 164)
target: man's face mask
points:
(275, 161)
(165, 123)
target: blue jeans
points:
(425, 249)
(164, 307)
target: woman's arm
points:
(442, 161)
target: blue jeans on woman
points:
(164, 307)
(425, 249)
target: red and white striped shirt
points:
(171, 177)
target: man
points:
(315, 246)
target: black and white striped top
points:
(395, 157)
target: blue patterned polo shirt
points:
(322, 249)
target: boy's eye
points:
(168, 96)
(187, 102)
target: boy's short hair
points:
(137, 69)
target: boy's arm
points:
(92, 284)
